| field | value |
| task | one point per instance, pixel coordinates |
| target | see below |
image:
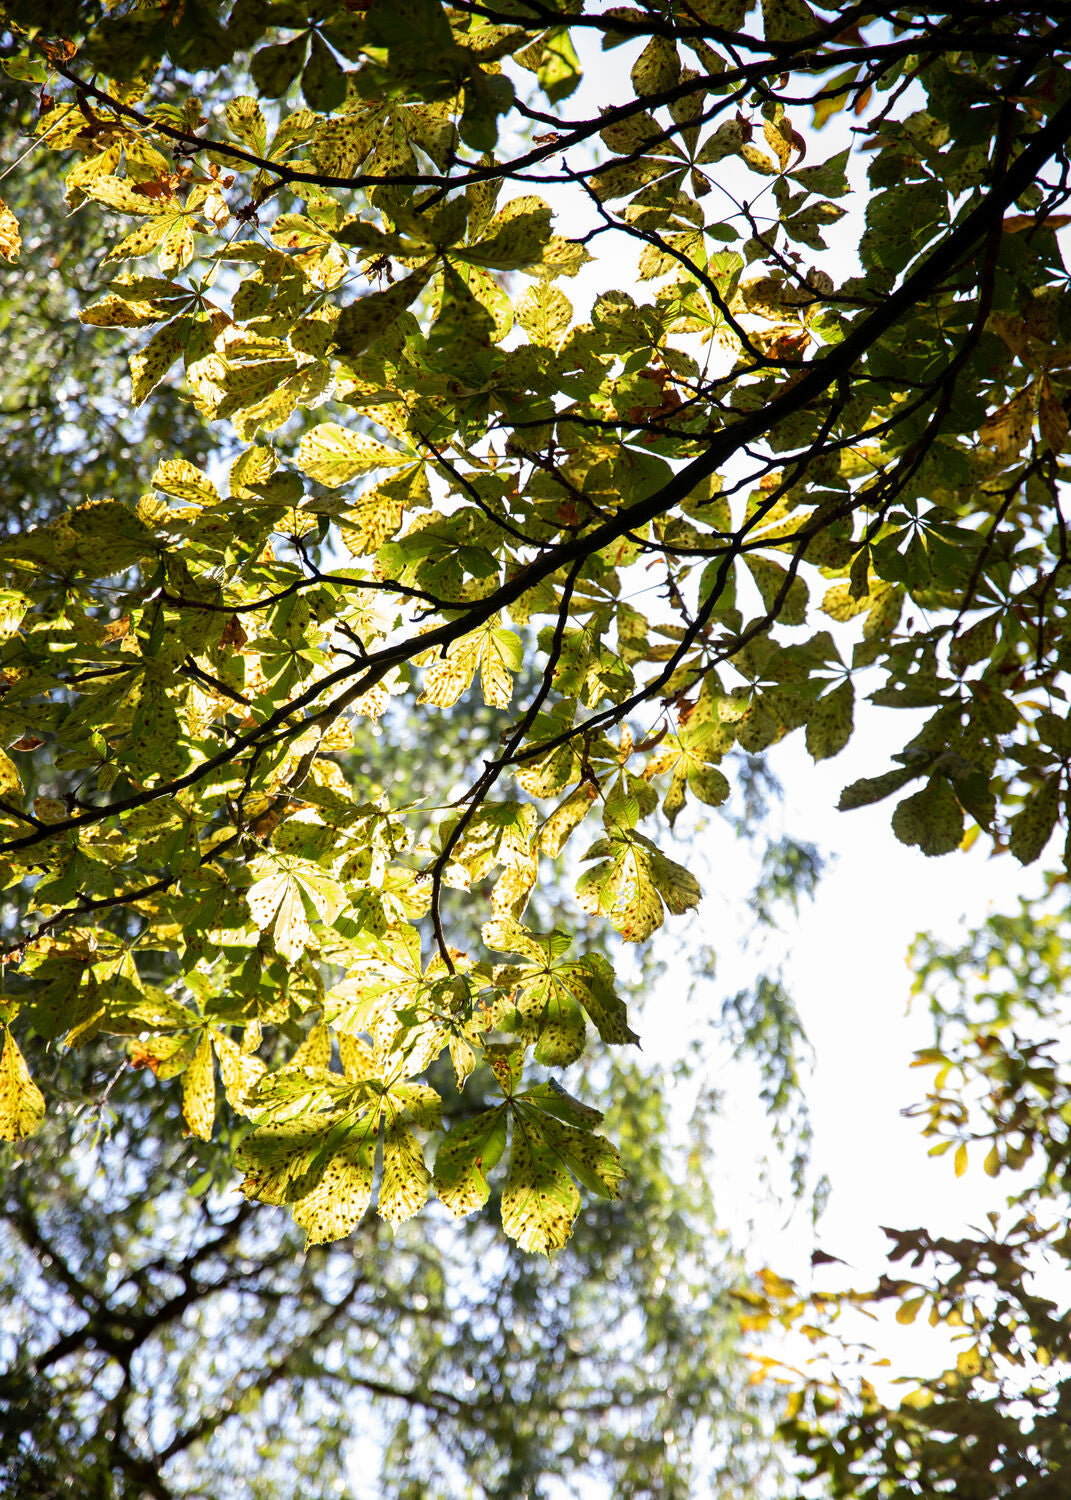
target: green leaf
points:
(657, 68)
(275, 68)
(788, 599)
(876, 788)
(362, 322)
(149, 365)
(558, 70)
(829, 724)
(785, 20)
(1032, 828)
(465, 1157)
(323, 81)
(931, 819)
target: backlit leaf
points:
(199, 1090)
(10, 238)
(22, 1105)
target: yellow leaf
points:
(907, 1312)
(781, 143)
(239, 1071)
(10, 781)
(276, 902)
(1052, 417)
(338, 1201)
(825, 109)
(404, 1188)
(10, 239)
(22, 1105)
(960, 1160)
(121, 193)
(333, 456)
(199, 1091)
(545, 314)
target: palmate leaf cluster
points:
(703, 516)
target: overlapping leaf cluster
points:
(434, 471)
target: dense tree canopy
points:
(445, 1364)
(643, 529)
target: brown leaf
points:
(1052, 417)
(1009, 427)
(1016, 223)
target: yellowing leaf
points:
(127, 196)
(404, 1188)
(338, 1202)
(837, 89)
(199, 1090)
(780, 138)
(545, 314)
(631, 883)
(517, 236)
(278, 1157)
(959, 1161)
(907, 1312)
(276, 902)
(501, 655)
(465, 1157)
(22, 1105)
(539, 1200)
(1052, 417)
(183, 480)
(10, 239)
(149, 365)
(119, 312)
(245, 119)
(240, 1072)
(10, 780)
(333, 456)
(497, 652)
